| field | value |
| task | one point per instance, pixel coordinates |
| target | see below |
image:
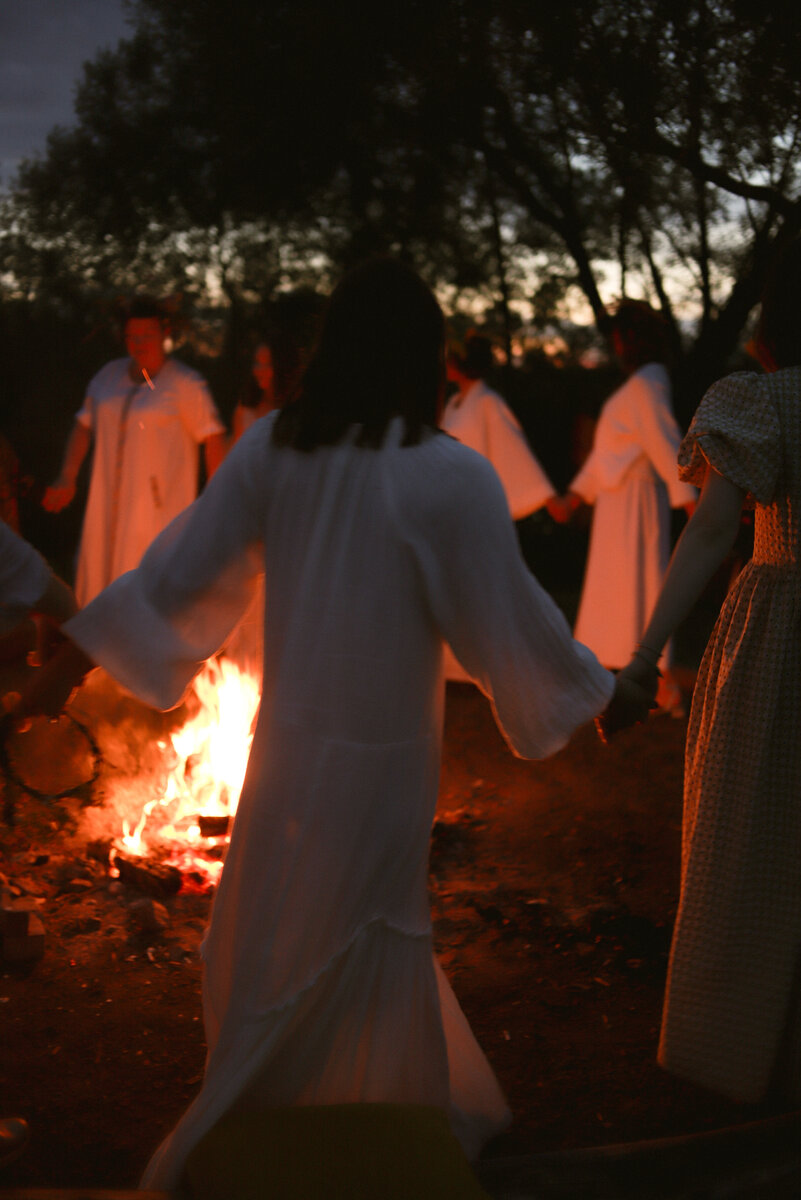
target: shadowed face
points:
(144, 341)
(262, 369)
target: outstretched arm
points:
(62, 490)
(57, 601)
(49, 688)
(705, 541)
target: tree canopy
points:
(531, 152)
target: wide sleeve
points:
(525, 482)
(505, 630)
(660, 438)
(587, 482)
(24, 576)
(87, 413)
(197, 408)
(736, 430)
(154, 627)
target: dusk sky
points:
(43, 45)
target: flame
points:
(205, 762)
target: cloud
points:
(43, 46)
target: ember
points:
(184, 818)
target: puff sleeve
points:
(736, 430)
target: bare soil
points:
(553, 886)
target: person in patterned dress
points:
(732, 1006)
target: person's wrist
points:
(642, 672)
(648, 655)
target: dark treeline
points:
(527, 154)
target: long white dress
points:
(631, 477)
(320, 983)
(481, 419)
(144, 466)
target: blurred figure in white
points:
(631, 478)
(146, 414)
(478, 417)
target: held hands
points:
(58, 495)
(562, 508)
(50, 686)
(634, 696)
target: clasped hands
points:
(58, 495)
(633, 698)
(60, 666)
(562, 508)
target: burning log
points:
(152, 878)
(213, 826)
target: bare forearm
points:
(77, 448)
(214, 448)
(51, 686)
(62, 490)
(705, 542)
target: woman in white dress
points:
(478, 417)
(259, 397)
(380, 538)
(631, 479)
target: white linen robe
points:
(320, 984)
(143, 474)
(482, 419)
(631, 477)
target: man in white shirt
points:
(146, 415)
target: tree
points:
(603, 145)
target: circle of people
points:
(381, 542)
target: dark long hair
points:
(778, 335)
(643, 332)
(380, 355)
(475, 360)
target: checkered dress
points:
(732, 1005)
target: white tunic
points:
(145, 463)
(631, 477)
(24, 576)
(320, 985)
(481, 419)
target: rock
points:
(77, 887)
(15, 914)
(148, 916)
(81, 925)
(27, 946)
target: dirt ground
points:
(553, 887)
